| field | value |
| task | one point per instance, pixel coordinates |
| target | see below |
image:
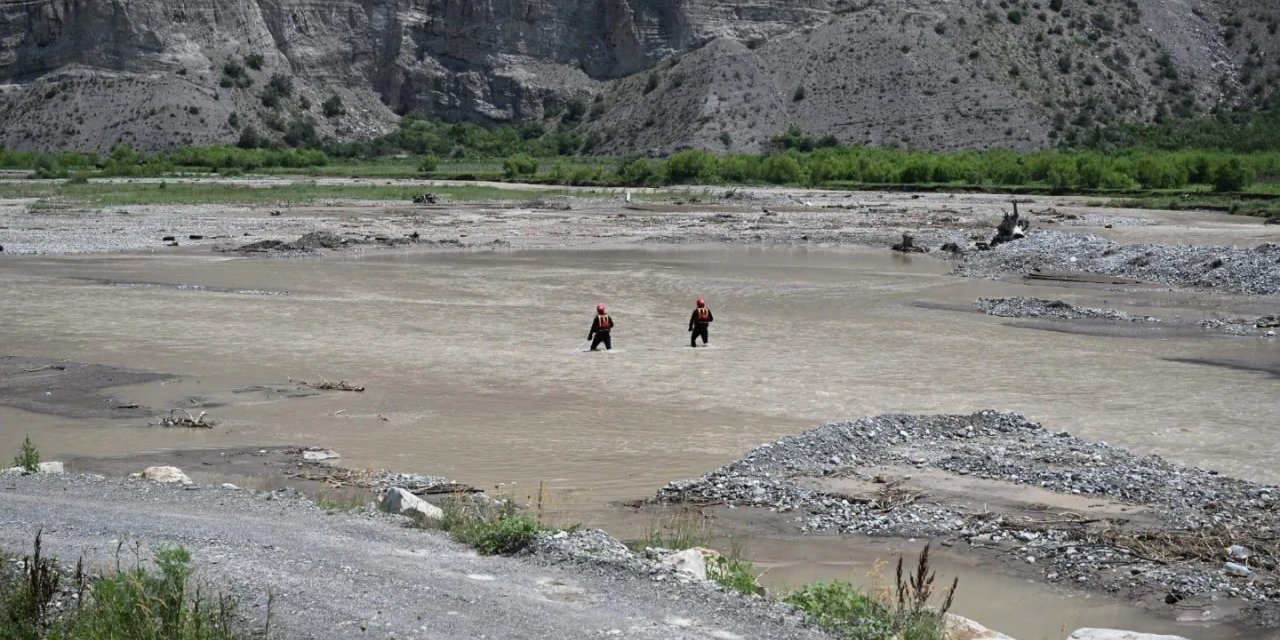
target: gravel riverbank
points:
(344, 574)
(1084, 513)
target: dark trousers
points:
(698, 330)
(602, 336)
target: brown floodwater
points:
(475, 365)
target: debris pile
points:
(1020, 307)
(1251, 271)
(1169, 531)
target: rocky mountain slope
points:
(653, 74)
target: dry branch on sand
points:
(325, 385)
(188, 421)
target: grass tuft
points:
(136, 604)
(492, 528)
(903, 612)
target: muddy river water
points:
(475, 369)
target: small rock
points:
(229, 486)
(316, 455)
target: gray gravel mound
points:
(1252, 271)
(1010, 449)
(1020, 307)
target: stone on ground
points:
(319, 455)
(400, 501)
(962, 628)
(165, 475)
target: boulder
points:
(317, 455)
(962, 628)
(1117, 634)
(165, 475)
(400, 501)
(692, 562)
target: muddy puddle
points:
(474, 367)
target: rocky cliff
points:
(88, 74)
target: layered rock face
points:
(88, 74)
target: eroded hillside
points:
(657, 74)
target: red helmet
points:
(599, 308)
(701, 303)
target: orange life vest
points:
(603, 322)
(704, 315)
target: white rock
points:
(403, 503)
(44, 467)
(1116, 634)
(692, 562)
(228, 485)
(961, 628)
(318, 455)
(165, 475)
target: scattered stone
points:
(165, 475)
(317, 455)
(692, 562)
(401, 502)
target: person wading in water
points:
(600, 329)
(699, 322)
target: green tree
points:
(1231, 175)
(428, 164)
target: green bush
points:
(254, 61)
(28, 456)
(1231, 175)
(428, 164)
(692, 166)
(332, 107)
(519, 164)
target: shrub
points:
(28, 456)
(428, 164)
(332, 107)
(799, 94)
(691, 166)
(574, 111)
(651, 83)
(249, 138)
(519, 165)
(254, 61)
(1014, 16)
(1231, 175)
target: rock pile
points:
(1251, 271)
(1186, 504)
